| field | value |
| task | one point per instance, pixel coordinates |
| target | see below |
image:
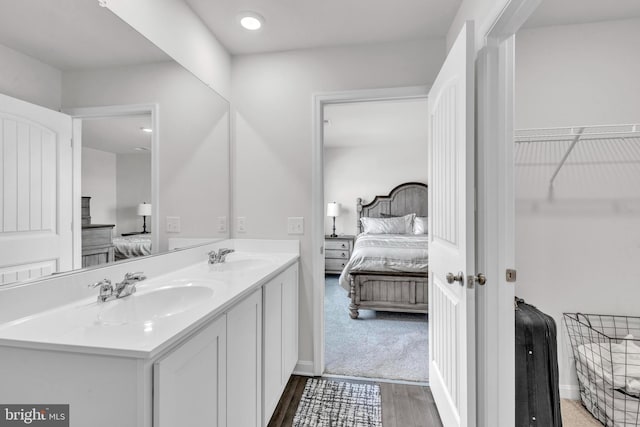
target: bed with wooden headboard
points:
(390, 290)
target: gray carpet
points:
(338, 404)
(377, 344)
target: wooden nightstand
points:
(97, 245)
(337, 251)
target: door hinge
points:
(511, 275)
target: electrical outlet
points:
(173, 224)
(242, 224)
(295, 225)
(222, 224)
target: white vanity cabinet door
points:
(244, 362)
(190, 382)
(280, 336)
(289, 323)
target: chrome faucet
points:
(128, 285)
(106, 290)
(220, 256)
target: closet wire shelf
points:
(606, 350)
(579, 163)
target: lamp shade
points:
(333, 209)
(144, 209)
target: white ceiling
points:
(299, 24)
(359, 124)
(79, 34)
(73, 34)
(119, 135)
(565, 12)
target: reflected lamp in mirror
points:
(144, 210)
(333, 210)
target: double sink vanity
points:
(205, 344)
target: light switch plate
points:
(173, 224)
(242, 224)
(222, 224)
(295, 225)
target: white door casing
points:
(35, 191)
(452, 235)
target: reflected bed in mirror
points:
(111, 83)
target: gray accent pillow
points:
(420, 225)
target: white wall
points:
(352, 172)
(133, 183)
(194, 150)
(176, 29)
(99, 183)
(590, 72)
(272, 97)
(26, 78)
(581, 255)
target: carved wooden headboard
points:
(411, 197)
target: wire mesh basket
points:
(606, 350)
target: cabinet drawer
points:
(336, 244)
(334, 264)
(96, 236)
(331, 253)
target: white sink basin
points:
(153, 305)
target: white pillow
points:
(397, 225)
(420, 225)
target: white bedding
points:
(621, 410)
(387, 253)
(132, 246)
(621, 372)
(613, 383)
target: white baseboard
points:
(304, 367)
(571, 392)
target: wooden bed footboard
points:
(401, 292)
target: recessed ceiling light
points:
(147, 130)
(250, 21)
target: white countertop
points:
(123, 328)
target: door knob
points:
(479, 278)
(455, 278)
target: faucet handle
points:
(139, 275)
(104, 281)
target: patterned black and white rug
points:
(338, 404)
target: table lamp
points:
(333, 210)
(144, 210)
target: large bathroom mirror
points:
(149, 162)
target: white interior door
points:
(451, 231)
(35, 191)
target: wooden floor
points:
(402, 405)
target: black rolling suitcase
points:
(537, 394)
